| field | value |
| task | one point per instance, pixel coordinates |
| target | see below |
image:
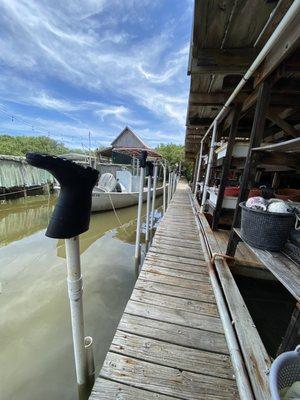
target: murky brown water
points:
(36, 355)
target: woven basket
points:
(265, 230)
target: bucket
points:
(265, 230)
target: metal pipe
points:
(147, 238)
(74, 280)
(198, 168)
(153, 198)
(164, 188)
(137, 254)
(90, 363)
(240, 372)
(169, 186)
(209, 165)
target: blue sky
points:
(69, 67)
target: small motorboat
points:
(122, 191)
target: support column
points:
(256, 136)
(226, 166)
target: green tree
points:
(20, 145)
(174, 154)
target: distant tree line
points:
(20, 145)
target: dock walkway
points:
(170, 342)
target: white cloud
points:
(84, 45)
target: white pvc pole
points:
(88, 344)
(198, 168)
(153, 197)
(137, 254)
(164, 189)
(74, 280)
(169, 186)
(148, 211)
(209, 165)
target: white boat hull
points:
(102, 201)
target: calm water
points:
(36, 356)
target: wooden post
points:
(226, 166)
(292, 336)
(256, 136)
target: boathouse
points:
(126, 147)
(209, 311)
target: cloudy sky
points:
(69, 67)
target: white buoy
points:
(74, 280)
(137, 254)
(147, 236)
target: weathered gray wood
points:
(105, 389)
(177, 317)
(170, 341)
(176, 291)
(155, 261)
(172, 333)
(174, 272)
(176, 255)
(172, 355)
(285, 270)
(166, 380)
(197, 307)
(176, 281)
(256, 357)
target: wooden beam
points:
(275, 17)
(212, 99)
(288, 42)
(226, 166)
(281, 123)
(213, 61)
(256, 136)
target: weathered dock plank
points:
(170, 341)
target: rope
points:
(116, 215)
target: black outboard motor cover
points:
(71, 215)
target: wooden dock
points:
(170, 342)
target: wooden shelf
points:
(289, 146)
(285, 270)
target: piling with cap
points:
(70, 218)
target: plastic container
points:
(265, 230)
(284, 371)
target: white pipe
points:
(164, 189)
(74, 280)
(148, 210)
(209, 165)
(274, 38)
(174, 181)
(137, 254)
(88, 345)
(153, 197)
(169, 186)
(198, 168)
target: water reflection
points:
(36, 361)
